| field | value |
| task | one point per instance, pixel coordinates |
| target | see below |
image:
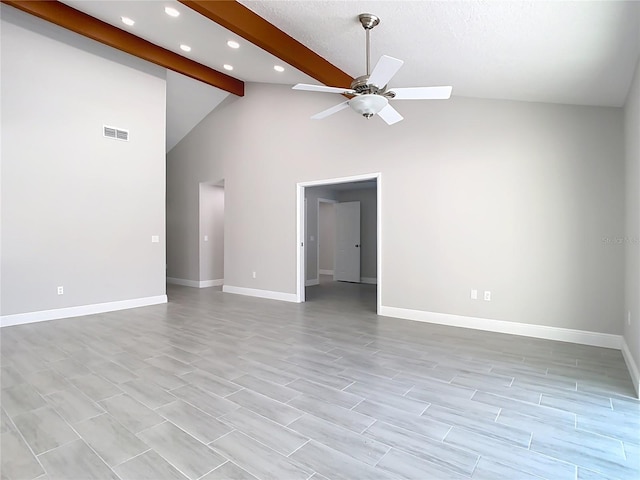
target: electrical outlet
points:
(487, 296)
(155, 239)
(206, 238)
(60, 290)
(254, 274)
(474, 294)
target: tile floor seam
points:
(222, 436)
(17, 430)
(174, 466)
(352, 408)
(213, 469)
(390, 335)
(384, 455)
(308, 440)
(81, 438)
(149, 449)
(149, 427)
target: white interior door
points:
(347, 265)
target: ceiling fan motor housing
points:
(369, 94)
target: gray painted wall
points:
(211, 227)
(312, 194)
(327, 236)
(505, 196)
(78, 210)
(632, 234)
(368, 227)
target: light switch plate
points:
(155, 239)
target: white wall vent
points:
(116, 133)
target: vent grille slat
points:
(115, 133)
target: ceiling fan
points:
(370, 94)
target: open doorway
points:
(211, 244)
(339, 232)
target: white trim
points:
(312, 282)
(632, 366)
(379, 243)
(300, 252)
(524, 329)
(300, 219)
(325, 272)
(80, 311)
(253, 292)
(183, 282)
(369, 280)
(195, 283)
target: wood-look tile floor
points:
(218, 386)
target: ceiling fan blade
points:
(386, 68)
(422, 93)
(331, 111)
(390, 115)
(321, 88)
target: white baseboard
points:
(369, 280)
(632, 366)
(43, 315)
(524, 329)
(183, 282)
(325, 272)
(312, 282)
(195, 283)
(253, 292)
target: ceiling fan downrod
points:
(368, 21)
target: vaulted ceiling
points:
(576, 52)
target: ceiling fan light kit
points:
(368, 105)
(370, 94)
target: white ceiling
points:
(207, 39)
(577, 52)
(188, 100)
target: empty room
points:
(320, 239)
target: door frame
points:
(300, 233)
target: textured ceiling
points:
(578, 52)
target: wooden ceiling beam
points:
(243, 22)
(79, 22)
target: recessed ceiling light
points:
(172, 12)
(233, 44)
(127, 21)
(278, 68)
(186, 48)
(226, 66)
